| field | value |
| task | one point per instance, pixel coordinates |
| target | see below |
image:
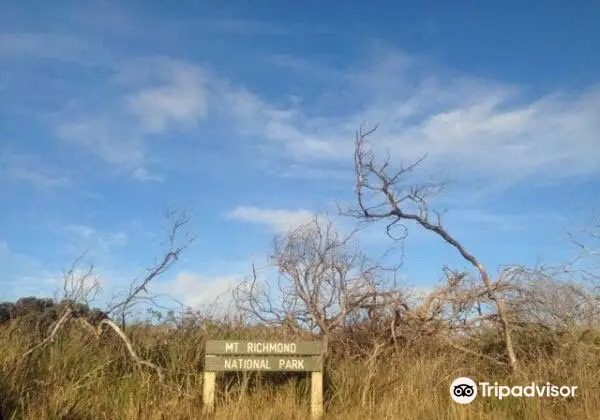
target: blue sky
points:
(243, 114)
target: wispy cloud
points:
(161, 94)
(98, 244)
(28, 169)
(98, 96)
(178, 95)
(276, 219)
(196, 291)
(468, 127)
(117, 144)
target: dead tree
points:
(322, 281)
(381, 195)
(75, 290)
(80, 284)
(138, 289)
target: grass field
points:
(79, 377)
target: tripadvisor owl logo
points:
(463, 390)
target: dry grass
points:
(80, 378)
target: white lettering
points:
(539, 390)
(504, 392)
(529, 391)
(485, 388)
(231, 347)
(276, 348)
(247, 364)
(291, 364)
(532, 390)
(565, 391)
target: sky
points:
(243, 114)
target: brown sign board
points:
(269, 356)
(263, 364)
(304, 348)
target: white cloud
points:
(468, 127)
(82, 284)
(142, 174)
(195, 290)
(161, 94)
(276, 219)
(284, 128)
(30, 170)
(39, 179)
(181, 97)
(549, 138)
(474, 129)
(90, 233)
(114, 142)
(100, 244)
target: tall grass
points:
(78, 377)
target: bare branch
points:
(80, 286)
(323, 281)
(132, 353)
(139, 286)
(97, 331)
(50, 339)
(398, 203)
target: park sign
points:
(231, 356)
(265, 356)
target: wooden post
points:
(316, 395)
(208, 396)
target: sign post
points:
(236, 356)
